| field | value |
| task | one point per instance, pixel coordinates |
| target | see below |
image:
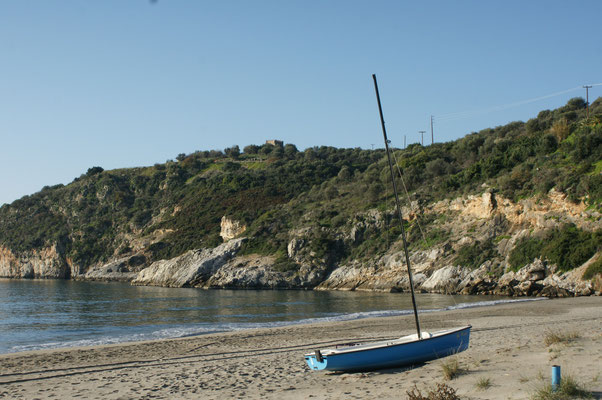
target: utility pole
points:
(587, 87)
(421, 137)
(372, 144)
(404, 141)
(432, 137)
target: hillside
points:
(493, 201)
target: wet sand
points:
(507, 348)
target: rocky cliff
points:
(193, 268)
(468, 220)
(513, 209)
(49, 262)
(471, 220)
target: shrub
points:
(560, 129)
(483, 383)
(285, 264)
(451, 368)
(433, 237)
(594, 269)
(567, 247)
(552, 337)
(474, 255)
(525, 251)
(569, 388)
(547, 144)
(442, 392)
(570, 247)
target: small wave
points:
(491, 303)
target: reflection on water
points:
(55, 313)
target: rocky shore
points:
(469, 220)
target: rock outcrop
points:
(388, 273)
(445, 280)
(122, 269)
(249, 272)
(231, 228)
(49, 262)
(539, 213)
(192, 268)
(463, 223)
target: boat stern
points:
(316, 361)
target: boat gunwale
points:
(387, 343)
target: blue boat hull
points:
(391, 354)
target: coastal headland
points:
(513, 210)
(510, 357)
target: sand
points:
(507, 348)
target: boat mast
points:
(403, 232)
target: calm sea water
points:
(40, 314)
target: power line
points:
(471, 113)
(432, 137)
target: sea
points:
(46, 314)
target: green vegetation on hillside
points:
(473, 256)
(567, 248)
(178, 205)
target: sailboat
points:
(405, 351)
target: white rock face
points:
(116, 270)
(231, 228)
(48, 262)
(248, 272)
(445, 280)
(533, 272)
(189, 269)
(540, 279)
(294, 246)
(349, 277)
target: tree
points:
(94, 171)
(233, 151)
(278, 152)
(310, 155)
(576, 103)
(290, 150)
(215, 154)
(251, 149)
(266, 149)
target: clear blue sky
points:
(119, 83)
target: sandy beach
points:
(507, 348)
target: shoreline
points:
(506, 347)
(205, 328)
